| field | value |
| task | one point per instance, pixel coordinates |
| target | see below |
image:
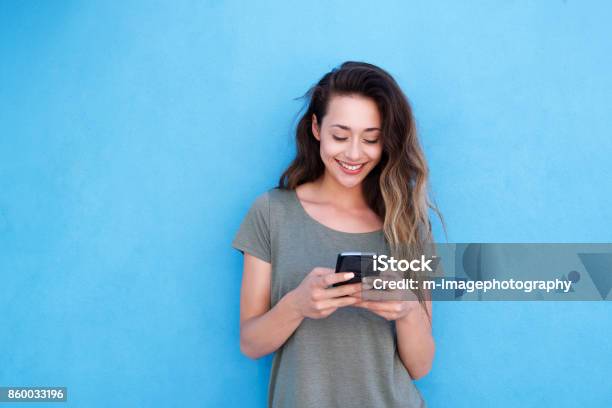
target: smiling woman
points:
(354, 149)
(357, 183)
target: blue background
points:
(134, 137)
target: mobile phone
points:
(360, 263)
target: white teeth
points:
(353, 168)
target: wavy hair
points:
(397, 188)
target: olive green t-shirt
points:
(348, 359)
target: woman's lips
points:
(350, 168)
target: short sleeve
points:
(253, 236)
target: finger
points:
(367, 281)
(344, 290)
(404, 295)
(384, 314)
(328, 280)
(383, 307)
(320, 271)
(375, 295)
(328, 311)
(338, 302)
(373, 305)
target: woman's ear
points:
(315, 127)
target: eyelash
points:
(342, 139)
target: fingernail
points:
(349, 275)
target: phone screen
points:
(360, 263)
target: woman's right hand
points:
(314, 298)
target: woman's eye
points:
(338, 138)
(371, 141)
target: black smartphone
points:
(360, 263)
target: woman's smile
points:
(351, 168)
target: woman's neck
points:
(328, 189)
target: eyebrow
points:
(348, 128)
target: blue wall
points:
(133, 138)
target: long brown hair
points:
(396, 189)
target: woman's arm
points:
(264, 330)
(415, 342)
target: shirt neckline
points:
(314, 221)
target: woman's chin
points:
(347, 181)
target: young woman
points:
(358, 183)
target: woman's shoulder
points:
(274, 201)
(277, 196)
(277, 206)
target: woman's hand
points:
(391, 304)
(314, 298)
(389, 309)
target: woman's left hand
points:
(389, 309)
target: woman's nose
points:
(353, 152)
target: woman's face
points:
(349, 138)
